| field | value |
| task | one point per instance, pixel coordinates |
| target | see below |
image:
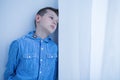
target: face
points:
(48, 22)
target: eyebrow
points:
(53, 16)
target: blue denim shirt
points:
(32, 58)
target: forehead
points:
(52, 13)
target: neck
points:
(41, 33)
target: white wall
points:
(16, 20)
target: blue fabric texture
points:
(32, 58)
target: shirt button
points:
(41, 40)
(41, 60)
(51, 56)
(41, 48)
(29, 57)
(40, 72)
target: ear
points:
(37, 18)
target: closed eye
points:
(51, 17)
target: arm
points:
(56, 71)
(12, 61)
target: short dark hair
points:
(42, 11)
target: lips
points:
(52, 26)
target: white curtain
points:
(89, 40)
(111, 54)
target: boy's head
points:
(47, 19)
(42, 11)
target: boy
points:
(34, 56)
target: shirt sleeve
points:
(56, 66)
(56, 71)
(12, 61)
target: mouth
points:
(52, 26)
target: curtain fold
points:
(111, 54)
(89, 41)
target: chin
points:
(51, 31)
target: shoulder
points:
(22, 39)
(18, 41)
(14, 43)
(52, 44)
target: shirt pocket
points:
(30, 56)
(51, 58)
(30, 62)
(51, 61)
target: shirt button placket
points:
(41, 49)
(41, 41)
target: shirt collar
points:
(34, 36)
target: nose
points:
(54, 22)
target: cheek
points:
(48, 22)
